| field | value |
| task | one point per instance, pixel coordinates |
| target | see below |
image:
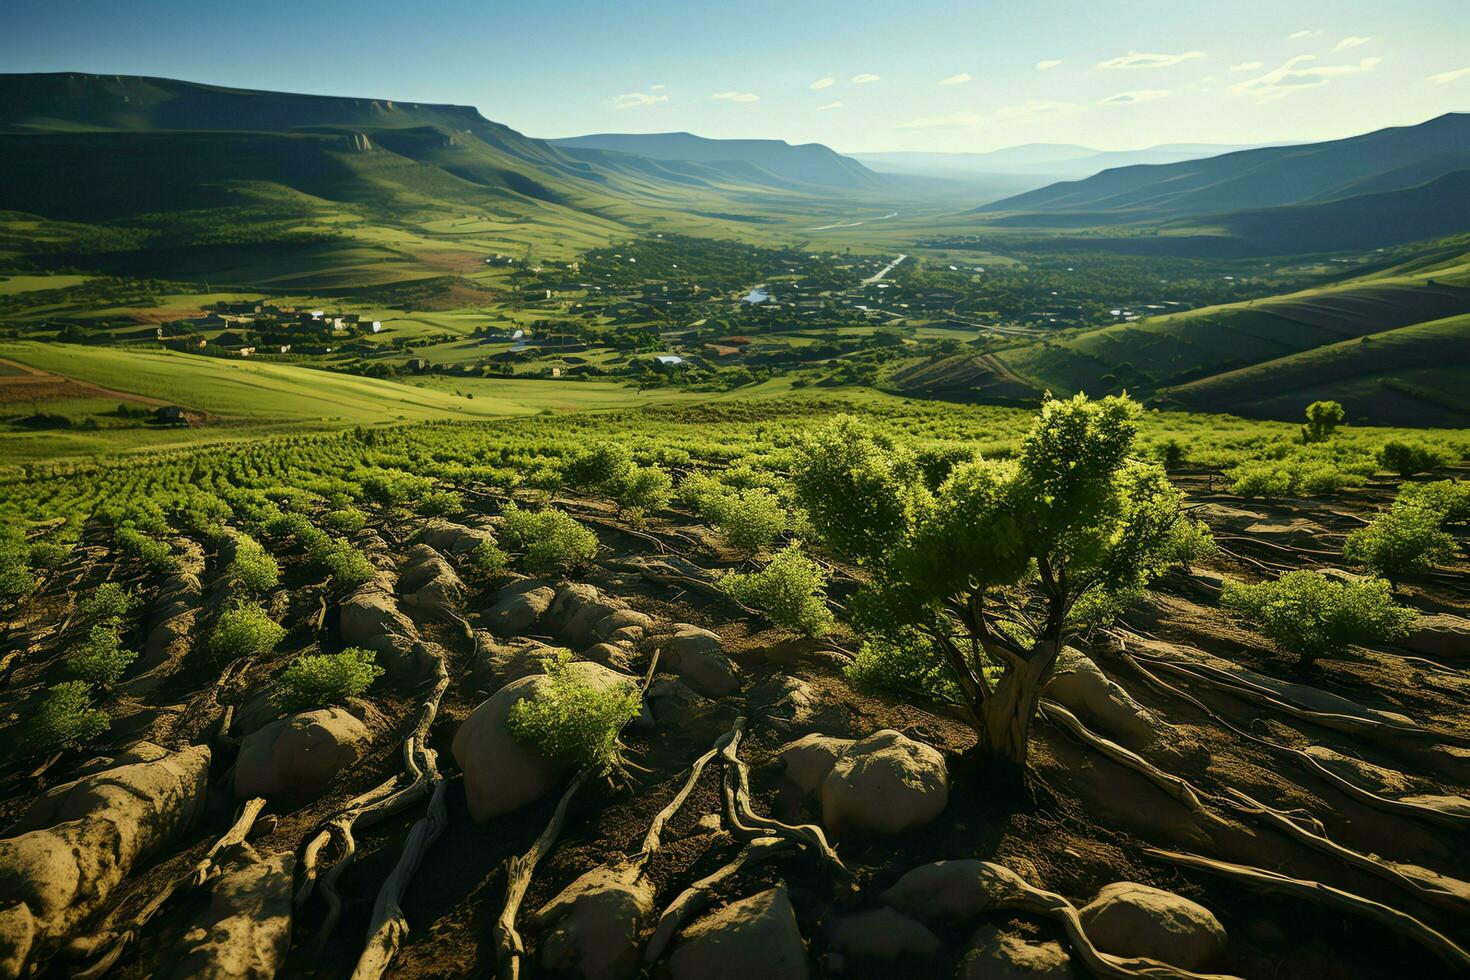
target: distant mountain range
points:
(759, 160)
(1049, 161)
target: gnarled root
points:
(1316, 891)
(693, 898)
(748, 825)
(113, 945)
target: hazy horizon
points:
(869, 78)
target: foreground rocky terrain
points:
(1195, 805)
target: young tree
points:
(998, 565)
(1323, 418)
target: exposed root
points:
(379, 803)
(1246, 690)
(113, 945)
(1316, 891)
(509, 948)
(694, 898)
(1177, 787)
(1430, 890)
(653, 838)
(389, 926)
(1413, 811)
(748, 825)
(662, 573)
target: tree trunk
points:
(1004, 717)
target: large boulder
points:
(994, 955)
(518, 607)
(951, 891)
(80, 840)
(1077, 684)
(1441, 635)
(499, 662)
(698, 657)
(453, 539)
(808, 760)
(596, 923)
(1129, 919)
(293, 760)
(428, 581)
(755, 937)
(886, 783)
(246, 930)
(371, 618)
(582, 614)
(673, 705)
(881, 936)
(501, 773)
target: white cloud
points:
(959, 79)
(821, 83)
(830, 105)
(1299, 35)
(1248, 66)
(1131, 98)
(735, 97)
(1047, 64)
(1033, 110)
(1138, 59)
(864, 78)
(1289, 78)
(1445, 77)
(638, 100)
(1351, 42)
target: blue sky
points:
(858, 75)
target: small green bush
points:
(749, 519)
(572, 720)
(108, 601)
(1449, 500)
(253, 566)
(902, 666)
(440, 503)
(1323, 418)
(789, 590)
(1401, 541)
(155, 554)
(244, 631)
(546, 542)
(345, 520)
(489, 559)
(49, 555)
(66, 718)
(1408, 458)
(15, 565)
(647, 488)
(320, 680)
(1312, 615)
(347, 566)
(100, 658)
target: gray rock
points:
(994, 955)
(882, 935)
(1129, 919)
(293, 760)
(246, 930)
(754, 937)
(886, 783)
(597, 922)
(519, 606)
(808, 760)
(1441, 635)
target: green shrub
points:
(345, 520)
(49, 555)
(155, 554)
(748, 519)
(789, 590)
(244, 631)
(647, 488)
(66, 718)
(572, 720)
(902, 666)
(1323, 418)
(440, 503)
(1312, 615)
(100, 658)
(1408, 458)
(546, 542)
(1449, 500)
(15, 565)
(489, 559)
(601, 469)
(347, 566)
(253, 566)
(1400, 541)
(108, 601)
(320, 680)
